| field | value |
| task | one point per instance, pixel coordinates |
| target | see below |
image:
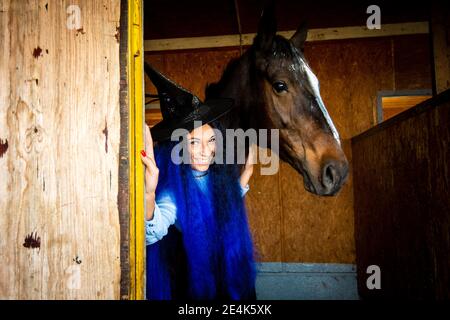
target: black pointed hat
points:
(180, 108)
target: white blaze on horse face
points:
(314, 83)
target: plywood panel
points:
(440, 25)
(351, 73)
(59, 113)
(264, 203)
(192, 69)
(152, 117)
(317, 229)
(412, 62)
(402, 203)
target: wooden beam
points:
(136, 138)
(313, 35)
(123, 199)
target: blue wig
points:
(215, 233)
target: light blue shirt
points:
(165, 212)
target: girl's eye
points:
(194, 142)
(212, 140)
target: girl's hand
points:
(248, 168)
(151, 173)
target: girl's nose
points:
(206, 150)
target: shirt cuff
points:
(244, 190)
(152, 225)
(156, 216)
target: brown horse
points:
(274, 88)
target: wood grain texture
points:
(193, 70)
(412, 62)
(264, 205)
(351, 73)
(402, 203)
(123, 198)
(316, 229)
(59, 111)
(397, 104)
(440, 26)
(233, 40)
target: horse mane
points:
(239, 81)
(213, 90)
(280, 46)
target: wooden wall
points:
(402, 203)
(59, 136)
(288, 223)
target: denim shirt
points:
(165, 212)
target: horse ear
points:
(267, 27)
(299, 37)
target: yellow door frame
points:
(136, 125)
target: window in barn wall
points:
(391, 103)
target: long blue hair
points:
(215, 232)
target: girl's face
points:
(202, 147)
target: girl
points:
(198, 241)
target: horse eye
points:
(279, 86)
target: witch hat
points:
(180, 108)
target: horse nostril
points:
(330, 176)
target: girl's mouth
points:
(202, 160)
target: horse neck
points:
(237, 83)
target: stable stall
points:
(72, 112)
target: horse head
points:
(274, 88)
(292, 103)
